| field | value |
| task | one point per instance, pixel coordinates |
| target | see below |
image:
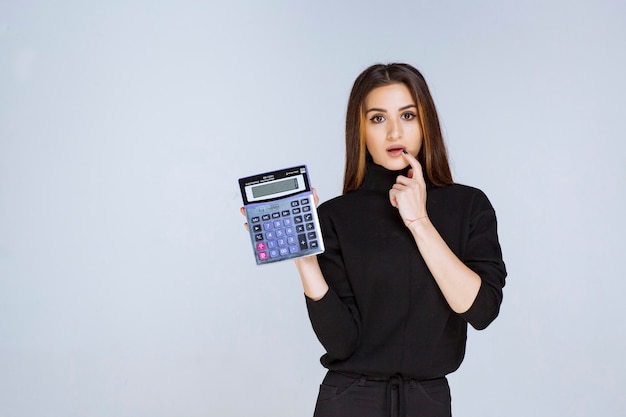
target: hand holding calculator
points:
(281, 214)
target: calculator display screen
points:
(275, 187)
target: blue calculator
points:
(281, 215)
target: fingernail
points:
(404, 152)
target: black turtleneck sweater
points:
(384, 313)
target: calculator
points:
(281, 215)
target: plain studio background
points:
(127, 282)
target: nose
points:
(394, 130)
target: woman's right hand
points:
(313, 282)
(243, 211)
(316, 199)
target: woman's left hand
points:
(408, 194)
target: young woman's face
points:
(391, 125)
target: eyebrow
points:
(408, 106)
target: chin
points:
(394, 165)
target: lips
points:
(395, 150)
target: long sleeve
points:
(335, 317)
(483, 255)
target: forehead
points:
(389, 96)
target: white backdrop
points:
(127, 283)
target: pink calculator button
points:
(261, 246)
(262, 256)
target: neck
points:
(380, 178)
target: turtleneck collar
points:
(379, 178)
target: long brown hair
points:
(432, 155)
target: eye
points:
(408, 116)
(377, 119)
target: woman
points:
(411, 258)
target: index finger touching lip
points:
(412, 161)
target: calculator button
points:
(271, 244)
(274, 253)
(287, 222)
(292, 240)
(255, 219)
(280, 233)
(282, 242)
(275, 215)
(289, 231)
(256, 228)
(313, 244)
(295, 203)
(270, 235)
(308, 217)
(285, 213)
(265, 217)
(296, 211)
(306, 209)
(278, 224)
(305, 201)
(302, 242)
(311, 235)
(299, 228)
(268, 226)
(284, 251)
(258, 237)
(297, 219)
(310, 226)
(261, 246)
(294, 249)
(262, 256)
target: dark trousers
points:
(352, 395)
